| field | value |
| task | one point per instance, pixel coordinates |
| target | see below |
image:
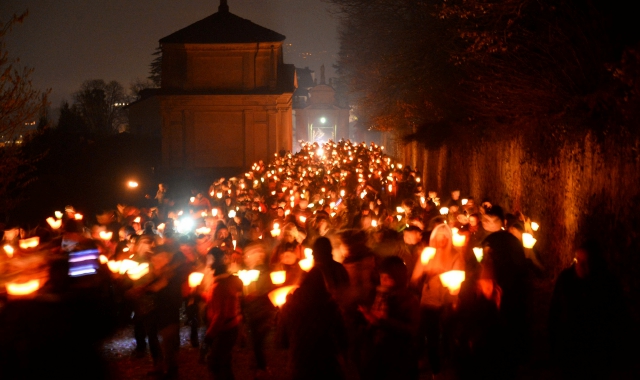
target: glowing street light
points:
(132, 184)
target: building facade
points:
(226, 95)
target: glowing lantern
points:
(161, 227)
(333, 214)
(195, 279)
(418, 180)
(8, 250)
(127, 265)
(342, 193)
(219, 194)
(78, 216)
(287, 212)
(132, 184)
(444, 211)
(248, 276)
(278, 277)
(23, 289)
(303, 219)
(458, 240)
(399, 217)
(278, 296)
(452, 280)
(138, 219)
(203, 231)
(232, 213)
(138, 271)
(332, 204)
(399, 166)
(58, 214)
(103, 259)
(311, 205)
(374, 223)
(478, 252)
(106, 236)
(427, 254)
(114, 266)
(308, 252)
(399, 210)
(363, 194)
(390, 188)
(214, 212)
(30, 242)
(535, 226)
(234, 244)
(528, 241)
(53, 223)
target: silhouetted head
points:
(322, 250)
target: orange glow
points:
(528, 241)
(479, 253)
(132, 184)
(458, 240)
(444, 211)
(137, 220)
(53, 223)
(453, 280)
(427, 254)
(195, 279)
(535, 226)
(30, 242)
(114, 266)
(138, 271)
(278, 277)
(9, 250)
(23, 289)
(278, 296)
(306, 264)
(78, 216)
(106, 236)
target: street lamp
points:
(132, 184)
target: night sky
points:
(70, 41)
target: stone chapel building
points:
(225, 100)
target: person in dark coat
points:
(335, 276)
(393, 322)
(311, 326)
(588, 318)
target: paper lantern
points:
(453, 280)
(479, 253)
(195, 279)
(138, 271)
(427, 254)
(528, 241)
(458, 240)
(24, 288)
(306, 264)
(54, 223)
(278, 277)
(278, 297)
(31, 242)
(8, 250)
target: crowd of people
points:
(338, 254)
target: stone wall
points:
(589, 188)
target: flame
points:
(427, 254)
(106, 235)
(8, 250)
(132, 184)
(464, 202)
(58, 214)
(374, 223)
(137, 220)
(234, 244)
(306, 264)
(444, 211)
(278, 296)
(195, 279)
(23, 289)
(303, 219)
(528, 241)
(452, 280)
(232, 213)
(55, 224)
(103, 259)
(275, 232)
(127, 265)
(77, 216)
(31, 242)
(214, 212)
(278, 277)
(535, 226)
(399, 210)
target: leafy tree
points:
(155, 68)
(100, 105)
(20, 102)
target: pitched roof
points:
(223, 27)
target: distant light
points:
(323, 120)
(132, 184)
